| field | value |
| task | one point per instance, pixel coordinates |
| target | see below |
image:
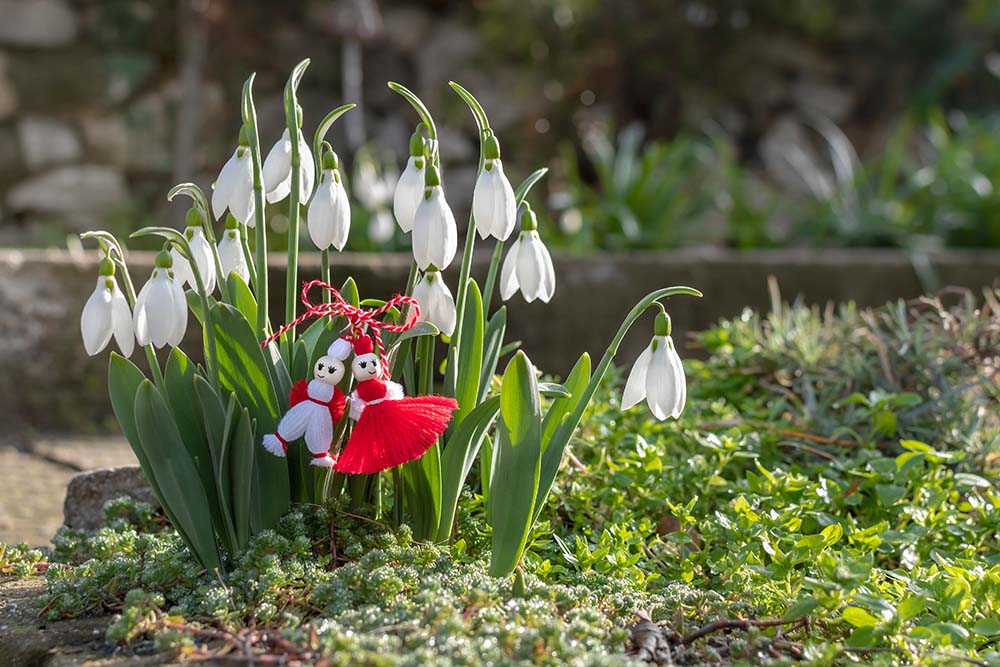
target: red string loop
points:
(359, 318)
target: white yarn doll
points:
(315, 407)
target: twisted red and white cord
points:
(360, 319)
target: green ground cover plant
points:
(828, 497)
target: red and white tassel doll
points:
(390, 429)
(315, 407)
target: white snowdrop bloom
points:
(493, 198)
(201, 249)
(233, 188)
(528, 265)
(106, 313)
(658, 375)
(161, 312)
(329, 215)
(437, 305)
(277, 171)
(231, 251)
(435, 235)
(410, 187)
(381, 227)
(373, 189)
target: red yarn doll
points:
(391, 429)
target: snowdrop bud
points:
(277, 171)
(234, 185)
(161, 312)
(231, 251)
(435, 235)
(410, 187)
(658, 375)
(528, 265)
(203, 256)
(437, 305)
(107, 314)
(329, 214)
(493, 198)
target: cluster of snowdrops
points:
(221, 411)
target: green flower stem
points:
(248, 256)
(201, 203)
(425, 364)
(491, 279)
(250, 123)
(324, 271)
(108, 241)
(292, 275)
(180, 240)
(397, 497)
(418, 106)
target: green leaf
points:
(456, 461)
(801, 608)
(859, 618)
(216, 419)
(552, 446)
(470, 354)
(176, 474)
(242, 297)
(492, 342)
(244, 371)
(124, 379)
(517, 454)
(241, 467)
(553, 389)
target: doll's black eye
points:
(363, 364)
(319, 367)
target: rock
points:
(37, 23)
(45, 141)
(8, 93)
(83, 195)
(88, 491)
(105, 138)
(648, 643)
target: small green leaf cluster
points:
(20, 560)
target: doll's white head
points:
(330, 367)
(366, 367)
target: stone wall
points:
(47, 381)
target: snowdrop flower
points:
(528, 265)
(381, 227)
(437, 305)
(231, 251)
(203, 256)
(658, 375)
(161, 312)
(329, 214)
(373, 189)
(234, 186)
(278, 168)
(435, 235)
(493, 198)
(106, 313)
(410, 187)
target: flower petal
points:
(277, 171)
(660, 389)
(96, 318)
(483, 201)
(548, 286)
(224, 185)
(507, 213)
(635, 386)
(319, 215)
(204, 258)
(508, 274)
(680, 381)
(241, 201)
(179, 313)
(121, 323)
(529, 267)
(409, 192)
(341, 217)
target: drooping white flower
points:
(201, 249)
(435, 235)
(410, 187)
(437, 305)
(329, 214)
(658, 375)
(372, 185)
(106, 313)
(161, 312)
(234, 186)
(231, 251)
(528, 265)
(493, 198)
(277, 171)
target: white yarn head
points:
(366, 367)
(329, 370)
(339, 349)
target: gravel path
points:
(33, 481)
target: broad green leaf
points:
(555, 433)
(242, 297)
(124, 379)
(517, 459)
(176, 474)
(179, 390)
(859, 618)
(492, 342)
(801, 608)
(457, 459)
(553, 389)
(470, 354)
(216, 420)
(244, 371)
(241, 466)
